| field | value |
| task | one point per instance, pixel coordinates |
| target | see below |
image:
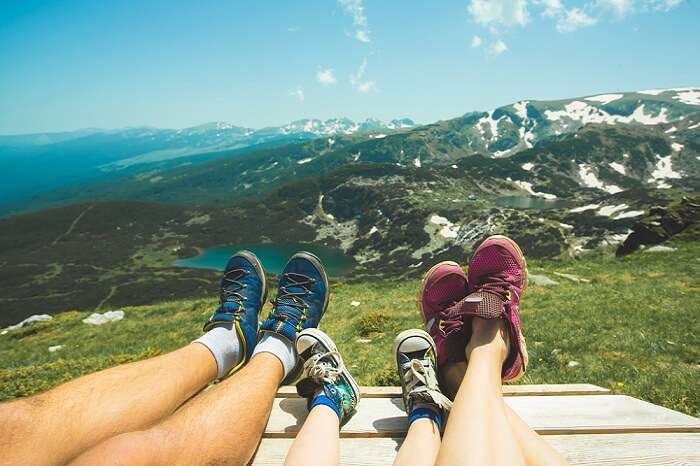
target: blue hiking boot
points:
(302, 298)
(242, 295)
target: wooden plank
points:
(508, 390)
(385, 417)
(579, 450)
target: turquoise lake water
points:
(273, 257)
(526, 202)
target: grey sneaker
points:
(415, 360)
(324, 369)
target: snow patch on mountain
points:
(605, 98)
(448, 230)
(610, 210)
(590, 179)
(521, 109)
(527, 186)
(663, 171)
(652, 91)
(584, 208)
(629, 214)
(618, 167)
(585, 113)
(688, 96)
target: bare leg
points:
(536, 450)
(317, 442)
(53, 427)
(478, 423)
(220, 426)
(421, 445)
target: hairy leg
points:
(220, 426)
(317, 443)
(53, 427)
(421, 445)
(478, 423)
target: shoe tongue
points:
(480, 304)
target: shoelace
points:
(320, 370)
(287, 297)
(497, 284)
(230, 291)
(421, 384)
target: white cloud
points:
(366, 86)
(298, 93)
(356, 10)
(499, 12)
(293, 29)
(498, 47)
(663, 5)
(357, 79)
(620, 7)
(624, 7)
(362, 36)
(551, 7)
(326, 77)
(476, 42)
(573, 19)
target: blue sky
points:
(75, 64)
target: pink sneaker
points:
(443, 285)
(497, 279)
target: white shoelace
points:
(421, 384)
(324, 371)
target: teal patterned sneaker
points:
(325, 379)
(416, 363)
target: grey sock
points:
(225, 346)
(279, 346)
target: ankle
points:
(488, 336)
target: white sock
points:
(282, 348)
(224, 346)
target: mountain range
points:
(563, 178)
(36, 163)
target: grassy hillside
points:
(634, 328)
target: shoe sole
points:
(424, 283)
(326, 341)
(313, 258)
(405, 335)
(515, 246)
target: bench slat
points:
(508, 390)
(580, 450)
(384, 417)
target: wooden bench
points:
(586, 423)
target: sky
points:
(66, 65)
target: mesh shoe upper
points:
(243, 291)
(443, 285)
(301, 299)
(497, 278)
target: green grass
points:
(633, 329)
